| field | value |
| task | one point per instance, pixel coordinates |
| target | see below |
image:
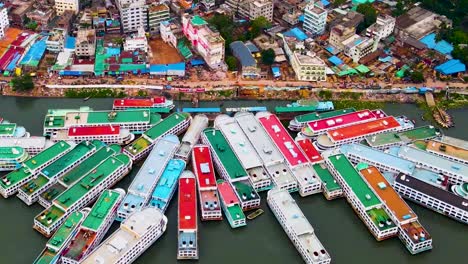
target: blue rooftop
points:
(70, 42)
(243, 54)
(167, 183)
(296, 33)
(252, 47)
(276, 72)
(386, 59)
(427, 176)
(451, 67)
(335, 60)
(112, 51)
(325, 3)
(442, 46)
(166, 68)
(379, 157)
(197, 62)
(35, 53)
(332, 50)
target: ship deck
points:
(204, 170)
(166, 124)
(283, 140)
(316, 115)
(209, 200)
(53, 192)
(11, 153)
(46, 155)
(309, 150)
(81, 242)
(353, 179)
(454, 142)
(245, 191)
(14, 177)
(46, 257)
(388, 195)
(93, 131)
(107, 117)
(101, 209)
(138, 145)
(226, 193)
(167, 182)
(342, 120)
(327, 179)
(450, 150)
(380, 218)
(416, 232)
(226, 155)
(65, 230)
(88, 164)
(419, 133)
(363, 129)
(34, 184)
(52, 213)
(7, 129)
(187, 204)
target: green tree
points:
(337, 3)
(22, 83)
(231, 62)
(370, 15)
(257, 25)
(417, 77)
(460, 54)
(32, 25)
(399, 8)
(268, 56)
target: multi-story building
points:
(207, 42)
(382, 28)
(315, 19)
(356, 47)
(137, 41)
(208, 4)
(252, 9)
(157, 13)
(42, 17)
(63, 5)
(4, 22)
(339, 34)
(56, 41)
(170, 32)
(248, 64)
(85, 43)
(306, 65)
(133, 14)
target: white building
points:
(252, 8)
(338, 35)
(169, 32)
(157, 13)
(55, 42)
(133, 14)
(64, 5)
(382, 28)
(306, 65)
(4, 22)
(357, 47)
(315, 19)
(208, 4)
(137, 42)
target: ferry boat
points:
(141, 189)
(230, 204)
(244, 151)
(361, 198)
(252, 109)
(192, 136)
(167, 184)
(390, 139)
(11, 158)
(203, 169)
(331, 188)
(303, 106)
(297, 227)
(135, 120)
(410, 231)
(301, 121)
(94, 227)
(355, 133)
(30, 191)
(76, 174)
(135, 103)
(32, 145)
(56, 244)
(273, 161)
(230, 168)
(136, 234)
(425, 192)
(187, 217)
(307, 180)
(10, 183)
(174, 124)
(109, 134)
(450, 148)
(82, 193)
(11, 130)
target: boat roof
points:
(357, 185)
(15, 176)
(187, 201)
(7, 129)
(138, 145)
(239, 142)
(380, 157)
(47, 154)
(362, 129)
(342, 120)
(450, 150)
(454, 142)
(192, 135)
(168, 180)
(203, 167)
(226, 155)
(139, 102)
(282, 139)
(11, 153)
(102, 208)
(166, 124)
(227, 194)
(127, 236)
(382, 188)
(93, 130)
(433, 191)
(424, 157)
(419, 133)
(415, 232)
(65, 230)
(320, 115)
(309, 150)
(259, 138)
(245, 190)
(24, 142)
(326, 177)
(89, 164)
(295, 220)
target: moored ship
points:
(301, 121)
(135, 103)
(12, 157)
(32, 145)
(136, 234)
(230, 203)
(110, 134)
(187, 217)
(192, 136)
(203, 169)
(11, 130)
(451, 148)
(167, 184)
(389, 139)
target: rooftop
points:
(416, 232)
(11, 153)
(408, 136)
(327, 179)
(282, 139)
(227, 194)
(380, 218)
(454, 142)
(444, 149)
(7, 129)
(226, 155)
(309, 150)
(93, 130)
(167, 183)
(46, 155)
(65, 230)
(388, 195)
(354, 181)
(53, 192)
(187, 201)
(29, 142)
(342, 120)
(245, 191)
(316, 116)
(243, 54)
(139, 102)
(139, 145)
(165, 125)
(127, 236)
(203, 167)
(363, 129)
(101, 209)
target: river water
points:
(262, 240)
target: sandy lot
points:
(163, 53)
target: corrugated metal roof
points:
(242, 53)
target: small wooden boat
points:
(255, 214)
(87, 98)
